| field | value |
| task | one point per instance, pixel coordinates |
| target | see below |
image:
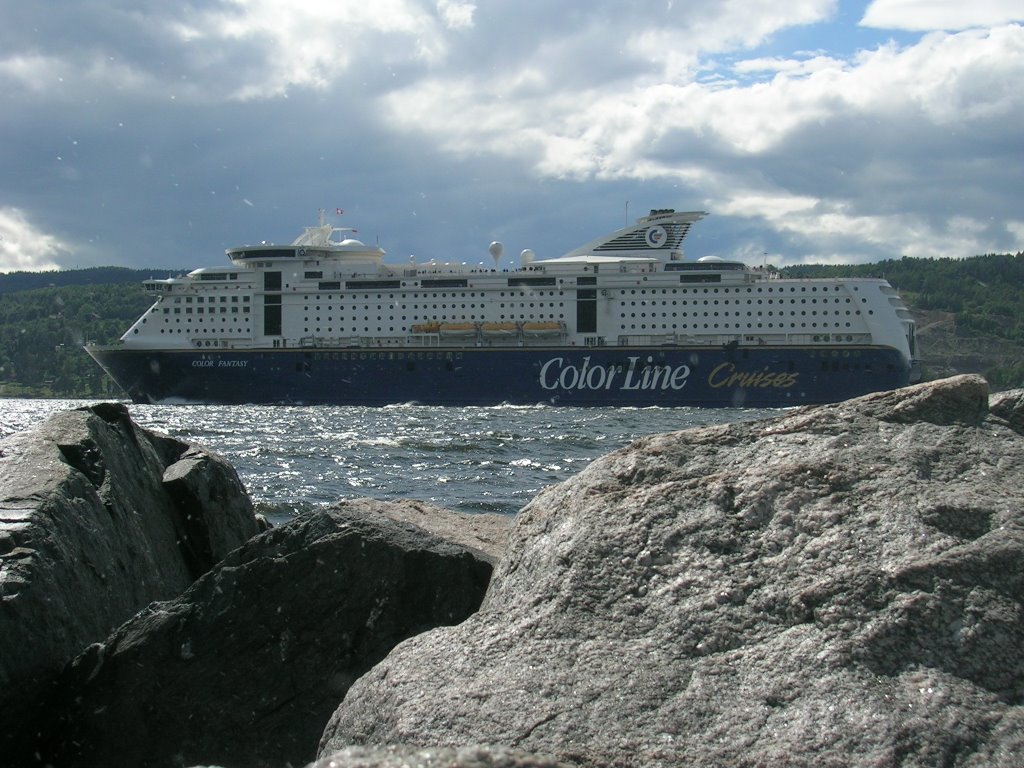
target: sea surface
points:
(293, 458)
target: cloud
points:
(928, 15)
(235, 49)
(866, 118)
(455, 14)
(23, 247)
(200, 125)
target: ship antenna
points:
(627, 214)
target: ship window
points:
(372, 285)
(529, 281)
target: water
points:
(469, 459)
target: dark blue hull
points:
(760, 376)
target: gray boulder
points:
(98, 518)
(1009, 406)
(246, 667)
(841, 585)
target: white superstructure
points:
(630, 288)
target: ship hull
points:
(761, 376)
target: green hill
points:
(969, 313)
(46, 317)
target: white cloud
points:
(927, 15)
(240, 49)
(66, 76)
(885, 104)
(310, 43)
(23, 247)
(456, 14)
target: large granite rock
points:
(838, 586)
(98, 518)
(246, 667)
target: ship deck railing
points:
(745, 339)
(330, 341)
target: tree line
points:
(46, 317)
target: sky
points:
(156, 134)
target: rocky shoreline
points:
(840, 585)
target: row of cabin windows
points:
(730, 326)
(211, 299)
(417, 307)
(741, 302)
(349, 298)
(434, 318)
(233, 328)
(773, 290)
(767, 313)
(212, 320)
(202, 310)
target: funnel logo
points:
(656, 236)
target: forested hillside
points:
(27, 281)
(42, 329)
(970, 316)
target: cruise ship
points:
(625, 320)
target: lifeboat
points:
(543, 329)
(458, 329)
(426, 328)
(499, 329)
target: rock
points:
(411, 757)
(483, 533)
(90, 533)
(1009, 406)
(246, 667)
(841, 585)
